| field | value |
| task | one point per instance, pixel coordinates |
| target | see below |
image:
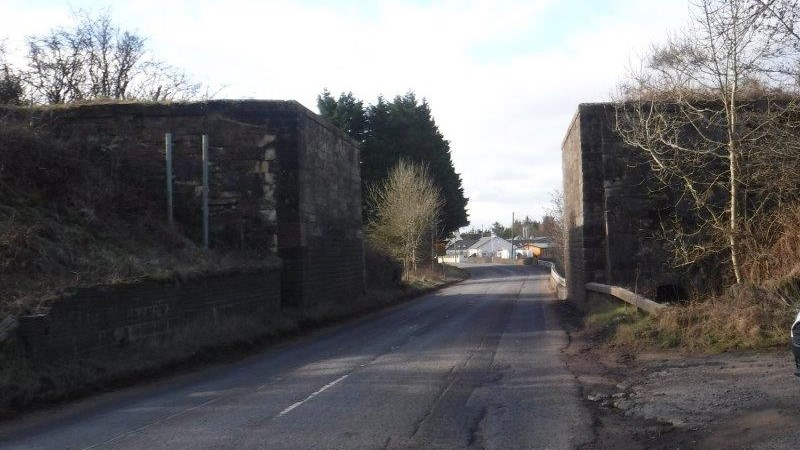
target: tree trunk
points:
(733, 235)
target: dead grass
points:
(772, 253)
(603, 317)
(434, 275)
(746, 317)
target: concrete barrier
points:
(627, 296)
(558, 282)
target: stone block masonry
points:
(242, 162)
(89, 320)
(611, 209)
(283, 180)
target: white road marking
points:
(128, 433)
(320, 391)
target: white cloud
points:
(502, 93)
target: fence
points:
(645, 304)
(558, 282)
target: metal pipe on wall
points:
(168, 160)
(205, 193)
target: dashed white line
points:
(314, 394)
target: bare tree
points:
(96, 59)
(159, 81)
(113, 57)
(56, 63)
(407, 206)
(713, 112)
(553, 227)
(11, 90)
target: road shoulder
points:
(658, 399)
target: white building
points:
(490, 246)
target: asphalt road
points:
(475, 365)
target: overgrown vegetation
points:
(713, 110)
(744, 318)
(76, 214)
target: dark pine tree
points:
(401, 129)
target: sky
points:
(503, 77)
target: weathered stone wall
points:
(572, 166)
(612, 208)
(242, 162)
(277, 170)
(282, 180)
(93, 319)
(329, 214)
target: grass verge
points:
(27, 384)
(745, 317)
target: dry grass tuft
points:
(746, 317)
(774, 255)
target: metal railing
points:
(560, 284)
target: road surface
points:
(476, 365)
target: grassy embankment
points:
(79, 214)
(746, 317)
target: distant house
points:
(489, 246)
(538, 247)
(459, 247)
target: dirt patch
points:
(658, 399)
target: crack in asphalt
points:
(476, 430)
(490, 340)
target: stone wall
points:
(612, 208)
(572, 166)
(242, 162)
(282, 180)
(93, 319)
(323, 248)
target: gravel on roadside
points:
(666, 399)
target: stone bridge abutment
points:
(611, 209)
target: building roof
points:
(485, 240)
(461, 244)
